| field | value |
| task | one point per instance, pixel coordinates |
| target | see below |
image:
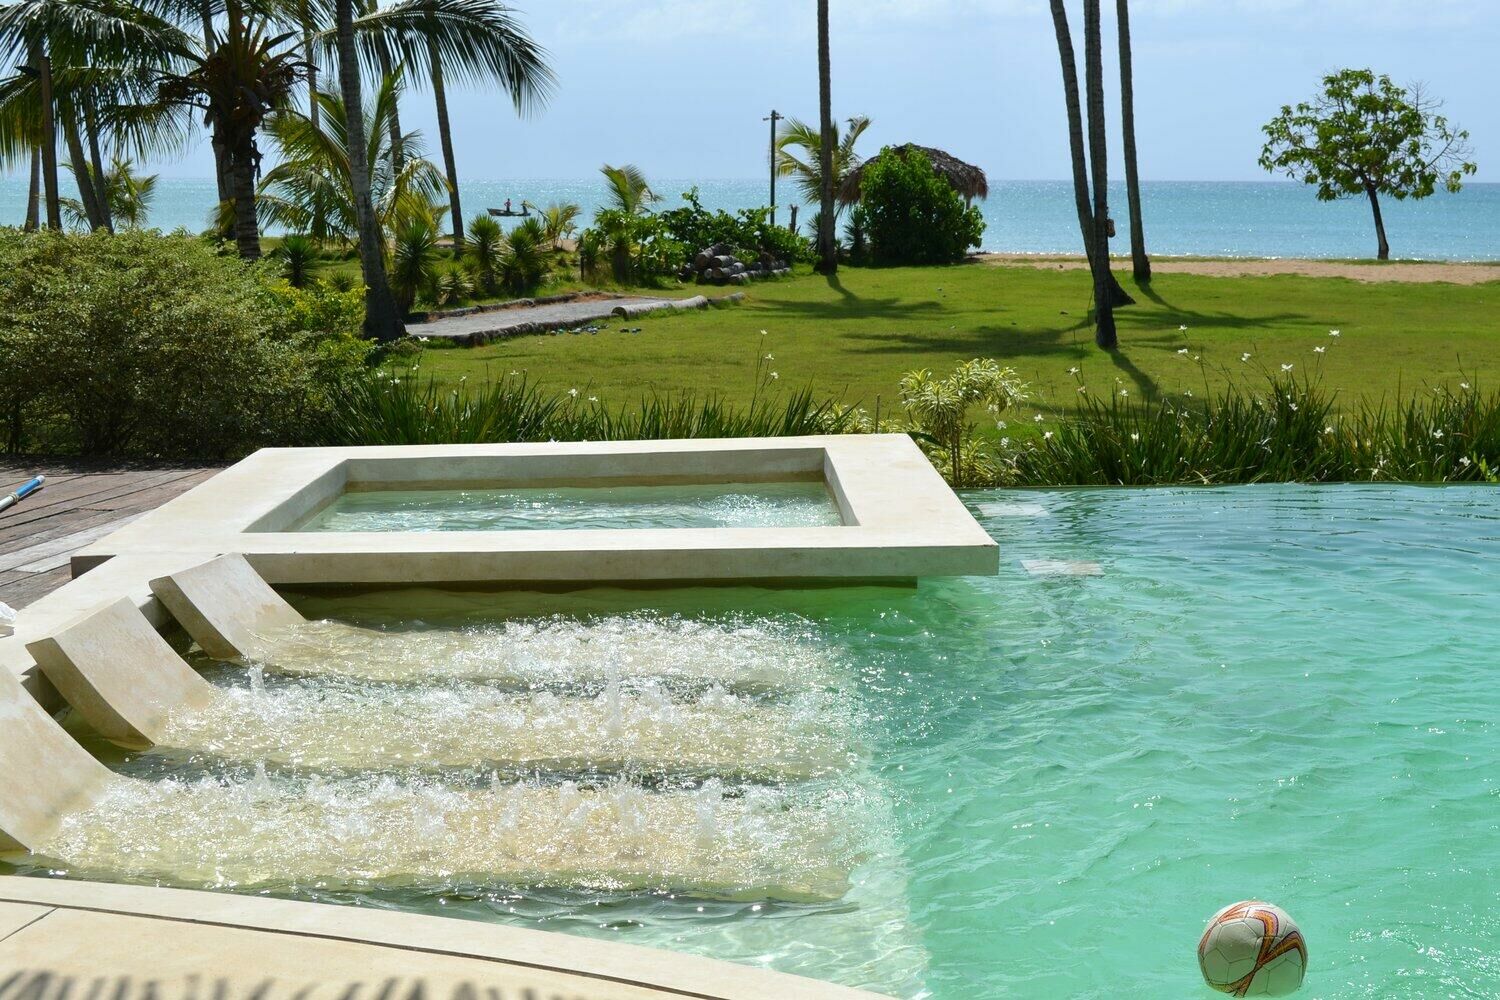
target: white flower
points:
(1188, 394)
(1001, 424)
(424, 339)
(1438, 434)
(1124, 392)
(573, 393)
(770, 357)
(1465, 461)
(774, 376)
(762, 333)
(1005, 442)
(1245, 356)
(593, 399)
(1083, 389)
(1047, 436)
(1074, 371)
(1335, 333)
(1320, 350)
(1328, 429)
(1463, 385)
(1037, 418)
(1287, 368)
(1293, 406)
(1182, 329)
(1134, 436)
(1182, 350)
(514, 372)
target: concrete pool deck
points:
(174, 943)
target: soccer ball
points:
(1253, 949)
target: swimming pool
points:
(1036, 785)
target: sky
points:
(679, 87)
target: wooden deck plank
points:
(80, 502)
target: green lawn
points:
(855, 335)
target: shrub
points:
(526, 259)
(483, 251)
(749, 232)
(141, 344)
(297, 254)
(637, 249)
(911, 215)
(939, 409)
(415, 262)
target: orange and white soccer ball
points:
(1253, 949)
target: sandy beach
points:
(1415, 272)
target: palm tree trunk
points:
(827, 251)
(1074, 105)
(1093, 57)
(43, 65)
(216, 141)
(96, 160)
(382, 321)
(1140, 262)
(81, 176)
(34, 191)
(310, 56)
(242, 192)
(445, 136)
(398, 158)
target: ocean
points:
(1183, 218)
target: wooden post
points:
(774, 117)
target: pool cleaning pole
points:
(21, 493)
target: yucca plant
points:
(484, 252)
(526, 260)
(415, 261)
(297, 254)
(451, 287)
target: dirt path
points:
(1414, 273)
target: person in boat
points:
(507, 207)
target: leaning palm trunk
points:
(87, 195)
(398, 155)
(827, 251)
(1076, 147)
(382, 321)
(1140, 262)
(1104, 312)
(445, 138)
(96, 161)
(34, 191)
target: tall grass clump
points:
(403, 408)
(1290, 432)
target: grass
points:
(855, 335)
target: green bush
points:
(749, 232)
(911, 215)
(636, 249)
(140, 344)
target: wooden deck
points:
(82, 501)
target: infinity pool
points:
(718, 505)
(1038, 785)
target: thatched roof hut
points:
(967, 179)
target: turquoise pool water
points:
(720, 505)
(1038, 786)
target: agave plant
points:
(451, 286)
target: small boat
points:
(509, 213)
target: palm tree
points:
(311, 190)
(827, 251)
(1139, 261)
(77, 53)
(1104, 312)
(120, 192)
(1076, 147)
(808, 169)
(627, 190)
(250, 73)
(382, 321)
(467, 41)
